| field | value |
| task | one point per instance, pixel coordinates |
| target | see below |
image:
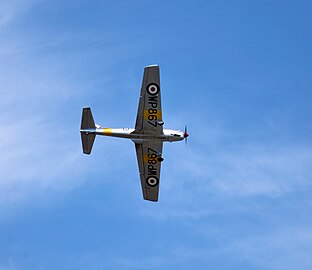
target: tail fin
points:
(87, 138)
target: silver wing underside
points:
(149, 121)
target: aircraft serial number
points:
(152, 112)
(152, 160)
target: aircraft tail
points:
(87, 136)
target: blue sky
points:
(237, 73)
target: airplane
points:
(148, 134)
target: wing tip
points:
(153, 65)
(151, 200)
(146, 197)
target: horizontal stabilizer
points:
(87, 124)
(87, 121)
(87, 142)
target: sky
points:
(237, 73)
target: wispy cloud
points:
(196, 176)
(286, 248)
(10, 9)
(42, 96)
(250, 183)
(254, 170)
(41, 107)
(35, 156)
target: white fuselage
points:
(168, 135)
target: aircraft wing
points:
(149, 116)
(149, 166)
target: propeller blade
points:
(185, 135)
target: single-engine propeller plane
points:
(148, 134)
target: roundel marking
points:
(152, 181)
(152, 89)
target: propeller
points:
(185, 135)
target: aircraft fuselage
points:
(168, 135)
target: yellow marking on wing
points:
(146, 159)
(151, 112)
(107, 131)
